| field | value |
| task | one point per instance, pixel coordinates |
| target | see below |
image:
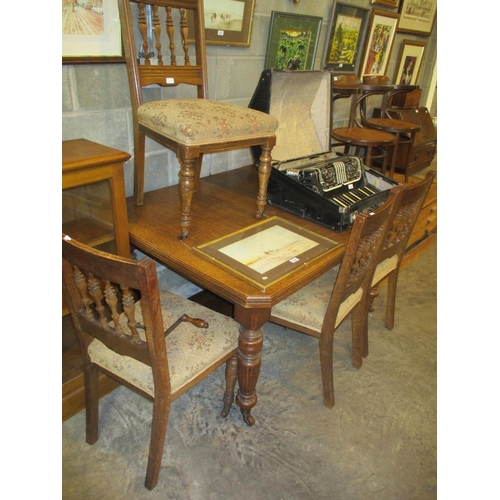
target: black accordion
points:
(307, 179)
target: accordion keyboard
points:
(352, 196)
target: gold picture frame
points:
(91, 32)
(266, 252)
(417, 17)
(227, 22)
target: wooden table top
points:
(225, 203)
(82, 153)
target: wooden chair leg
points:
(197, 173)
(359, 335)
(91, 376)
(326, 361)
(139, 160)
(368, 157)
(231, 377)
(161, 411)
(374, 293)
(391, 299)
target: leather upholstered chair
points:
(189, 127)
(368, 143)
(403, 131)
(122, 321)
(320, 307)
(407, 209)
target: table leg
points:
(249, 356)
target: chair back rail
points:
(159, 43)
(99, 298)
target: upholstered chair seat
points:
(307, 307)
(189, 349)
(195, 122)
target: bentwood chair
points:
(406, 211)
(403, 131)
(190, 127)
(156, 343)
(368, 143)
(320, 307)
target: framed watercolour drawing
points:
(267, 251)
(91, 32)
(345, 39)
(417, 16)
(379, 42)
(228, 22)
(410, 62)
(293, 40)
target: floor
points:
(377, 442)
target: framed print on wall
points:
(345, 39)
(228, 22)
(91, 32)
(293, 40)
(410, 62)
(388, 3)
(417, 17)
(379, 42)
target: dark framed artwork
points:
(417, 17)
(91, 32)
(345, 39)
(228, 22)
(293, 40)
(379, 42)
(410, 62)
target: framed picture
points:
(388, 3)
(267, 251)
(410, 61)
(228, 22)
(293, 40)
(91, 32)
(345, 39)
(417, 17)
(379, 42)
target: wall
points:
(96, 103)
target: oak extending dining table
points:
(225, 203)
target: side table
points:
(94, 211)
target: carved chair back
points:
(361, 256)
(102, 291)
(160, 48)
(406, 214)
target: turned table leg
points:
(249, 356)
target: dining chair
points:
(319, 308)
(406, 211)
(156, 343)
(190, 127)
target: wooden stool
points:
(402, 130)
(355, 135)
